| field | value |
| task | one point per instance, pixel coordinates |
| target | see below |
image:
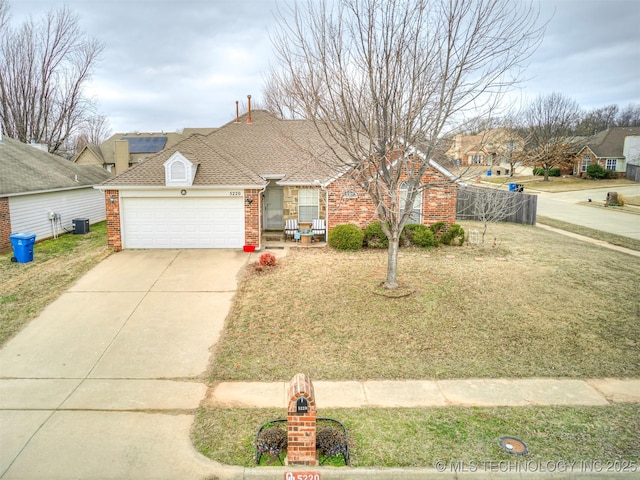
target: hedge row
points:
(352, 237)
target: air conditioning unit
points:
(80, 225)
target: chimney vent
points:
(237, 112)
(249, 121)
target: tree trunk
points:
(392, 263)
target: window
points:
(307, 204)
(476, 159)
(586, 160)
(611, 164)
(416, 213)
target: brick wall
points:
(349, 203)
(5, 225)
(114, 235)
(252, 217)
(301, 428)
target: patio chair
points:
(290, 228)
(318, 227)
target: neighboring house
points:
(122, 150)
(225, 189)
(42, 193)
(490, 147)
(607, 149)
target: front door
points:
(273, 206)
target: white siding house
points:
(42, 193)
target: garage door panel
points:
(183, 222)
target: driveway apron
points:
(103, 384)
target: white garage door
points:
(182, 222)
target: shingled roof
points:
(25, 169)
(242, 153)
(213, 167)
(610, 143)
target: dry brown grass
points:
(531, 303)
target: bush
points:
(267, 260)
(346, 237)
(374, 237)
(417, 234)
(454, 235)
(595, 171)
(553, 172)
(610, 174)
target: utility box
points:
(80, 225)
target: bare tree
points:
(379, 77)
(43, 68)
(93, 131)
(488, 205)
(550, 121)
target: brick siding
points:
(301, 428)
(114, 235)
(5, 225)
(252, 217)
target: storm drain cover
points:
(513, 445)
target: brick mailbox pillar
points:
(301, 422)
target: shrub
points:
(374, 237)
(595, 171)
(346, 237)
(267, 260)
(454, 235)
(417, 234)
(437, 229)
(272, 440)
(610, 174)
(553, 172)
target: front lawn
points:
(427, 437)
(530, 303)
(27, 288)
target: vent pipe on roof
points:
(249, 121)
(237, 112)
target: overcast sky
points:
(170, 64)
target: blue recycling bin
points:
(23, 246)
(488, 173)
(512, 187)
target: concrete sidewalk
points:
(437, 393)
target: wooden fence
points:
(491, 204)
(633, 172)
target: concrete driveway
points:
(566, 206)
(103, 384)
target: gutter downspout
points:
(326, 211)
(260, 216)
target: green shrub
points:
(438, 229)
(346, 237)
(454, 235)
(374, 237)
(610, 174)
(553, 172)
(595, 171)
(418, 235)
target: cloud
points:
(170, 64)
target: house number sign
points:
(302, 406)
